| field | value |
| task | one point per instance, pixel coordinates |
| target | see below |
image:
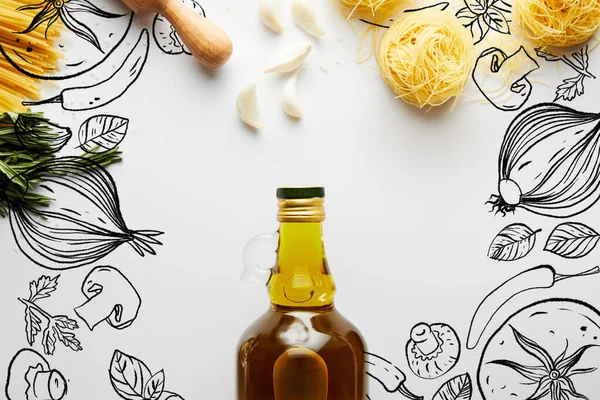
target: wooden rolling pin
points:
(205, 40)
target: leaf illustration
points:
(171, 396)
(457, 388)
(477, 6)
(154, 387)
(479, 29)
(32, 324)
(512, 243)
(62, 325)
(545, 55)
(128, 376)
(572, 240)
(104, 132)
(42, 288)
(570, 88)
(465, 13)
(49, 340)
(496, 21)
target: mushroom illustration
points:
(432, 350)
(30, 378)
(111, 297)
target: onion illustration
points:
(549, 162)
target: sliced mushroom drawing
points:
(432, 350)
(502, 78)
(31, 378)
(111, 298)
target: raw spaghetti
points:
(426, 57)
(32, 51)
(559, 23)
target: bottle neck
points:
(301, 277)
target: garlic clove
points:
(247, 105)
(303, 14)
(268, 11)
(290, 98)
(289, 58)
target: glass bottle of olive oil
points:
(302, 348)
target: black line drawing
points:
(502, 78)
(110, 297)
(457, 388)
(579, 62)
(53, 10)
(549, 162)
(572, 240)
(165, 36)
(542, 352)
(390, 377)
(102, 133)
(64, 236)
(21, 63)
(57, 327)
(30, 377)
(540, 277)
(443, 5)
(513, 242)
(108, 90)
(432, 350)
(32, 131)
(482, 15)
(132, 379)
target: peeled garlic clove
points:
(290, 98)
(290, 58)
(268, 11)
(303, 14)
(247, 105)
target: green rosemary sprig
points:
(27, 140)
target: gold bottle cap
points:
(301, 204)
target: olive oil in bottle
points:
(301, 348)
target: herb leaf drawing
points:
(552, 376)
(53, 10)
(101, 133)
(457, 388)
(57, 327)
(513, 242)
(572, 87)
(132, 380)
(572, 240)
(479, 16)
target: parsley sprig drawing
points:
(65, 10)
(578, 61)
(482, 15)
(55, 327)
(553, 376)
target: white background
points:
(406, 234)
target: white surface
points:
(407, 229)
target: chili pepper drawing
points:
(108, 90)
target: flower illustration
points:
(52, 10)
